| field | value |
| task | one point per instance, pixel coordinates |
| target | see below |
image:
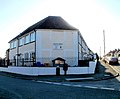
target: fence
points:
(72, 61)
(4, 62)
(22, 62)
(44, 61)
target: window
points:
(29, 56)
(27, 39)
(32, 55)
(32, 37)
(26, 56)
(57, 46)
(21, 41)
(13, 44)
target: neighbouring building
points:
(47, 40)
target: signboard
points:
(57, 46)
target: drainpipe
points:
(81, 48)
(78, 46)
(17, 50)
(35, 45)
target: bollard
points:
(57, 71)
(65, 68)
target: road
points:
(27, 89)
(116, 68)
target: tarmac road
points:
(14, 88)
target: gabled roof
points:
(50, 22)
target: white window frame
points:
(26, 56)
(21, 41)
(13, 44)
(32, 37)
(32, 55)
(27, 39)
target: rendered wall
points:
(35, 71)
(27, 48)
(51, 44)
(12, 53)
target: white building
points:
(47, 40)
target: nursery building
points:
(46, 41)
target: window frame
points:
(13, 44)
(26, 56)
(32, 37)
(21, 41)
(27, 39)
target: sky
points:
(91, 17)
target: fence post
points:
(4, 62)
(22, 61)
(15, 62)
(8, 62)
(33, 60)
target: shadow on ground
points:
(104, 71)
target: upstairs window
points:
(13, 44)
(27, 39)
(21, 41)
(10, 44)
(32, 37)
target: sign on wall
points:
(57, 46)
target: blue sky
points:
(112, 5)
(89, 16)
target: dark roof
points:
(50, 22)
(59, 58)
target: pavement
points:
(103, 72)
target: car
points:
(112, 60)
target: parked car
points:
(111, 60)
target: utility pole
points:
(100, 51)
(104, 40)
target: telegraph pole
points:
(100, 51)
(104, 40)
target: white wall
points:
(12, 53)
(34, 71)
(57, 43)
(27, 48)
(51, 43)
(83, 48)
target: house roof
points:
(50, 22)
